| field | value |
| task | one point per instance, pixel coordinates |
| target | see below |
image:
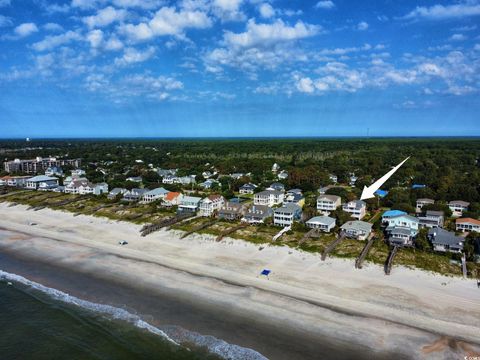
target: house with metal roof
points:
(391, 213)
(443, 240)
(116, 192)
(189, 204)
(154, 195)
(323, 223)
(401, 229)
(277, 187)
(286, 215)
(357, 229)
(41, 181)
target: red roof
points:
(172, 195)
(468, 220)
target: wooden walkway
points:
(333, 245)
(231, 231)
(311, 233)
(200, 227)
(364, 253)
(391, 257)
(149, 228)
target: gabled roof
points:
(426, 200)
(288, 208)
(468, 220)
(444, 237)
(268, 192)
(358, 203)
(157, 191)
(172, 195)
(333, 198)
(459, 202)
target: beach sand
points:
(410, 313)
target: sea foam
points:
(214, 345)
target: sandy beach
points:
(410, 313)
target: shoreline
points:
(315, 300)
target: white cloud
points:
(52, 41)
(305, 85)
(95, 38)
(267, 34)
(441, 12)
(5, 21)
(325, 4)
(133, 56)
(362, 25)
(458, 37)
(168, 21)
(228, 10)
(84, 4)
(53, 27)
(142, 4)
(25, 29)
(105, 17)
(266, 10)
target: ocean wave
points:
(212, 344)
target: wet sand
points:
(306, 310)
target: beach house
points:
(211, 205)
(54, 171)
(431, 219)
(357, 229)
(294, 196)
(286, 214)
(277, 187)
(467, 224)
(323, 223)
(41, 182)
(257, 214)
(443, 240)
(328, 203)
(401, 229)
(172, 199)
(189, 204)
(390, 214)
(14, 181)
(422, 202)
(458, 207)
(154, 195)
(231, 211)
(356, 208)
(135, 194)
(248, 188)
(116, 192)
(210, 183)
(268, 198)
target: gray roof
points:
(434, 213)
(357, 225)
(443, 237)
(358, 203)
(399, 230)
(157, 191)
(324, 220)
(268, 192)
(425, 200)
(248, 186)
(41, 178)
(333, 198)
(259, 210)
(459, 202)
(288, 208)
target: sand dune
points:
(411, 312)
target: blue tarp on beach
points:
(265, 272)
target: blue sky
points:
(121, 68)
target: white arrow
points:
(369, 191)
